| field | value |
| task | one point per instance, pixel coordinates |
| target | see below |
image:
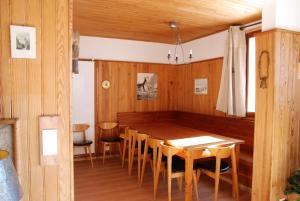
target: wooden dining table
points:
(192, 142)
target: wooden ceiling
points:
(147, 20)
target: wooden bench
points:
(240, 128)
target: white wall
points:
(209, 47)
(83, 100)
(123, 50)
(282, 14)
(138, 51)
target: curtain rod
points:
(86, 59)
(249, 25)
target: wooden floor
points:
(109, 182)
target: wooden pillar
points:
(277, 133)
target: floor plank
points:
(110, 182)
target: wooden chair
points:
(141, 140)
(112, 129)
(213, 168)
(131, 135)
(175, 169)
(84, 143)
(125, 137)
(151, 157)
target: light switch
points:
(50, 146)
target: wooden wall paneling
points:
(186, 74)
(20, 97)
(215, 73)
(34, 87)
(276, 140)
(34, 81)
(49, 86)
(125, 87)
(63, 79)
(6, 95)
(263, 121)
(172, 88)
(179, 85)
(285, 135)
(201, 103)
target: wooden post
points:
(277, 134)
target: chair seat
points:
(111, 139)
(83, 143)
(211, 166)
(178, 164)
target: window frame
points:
(249, 35)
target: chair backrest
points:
(154, 143)
(131, 137)
(141, 137)
(80, 128)
(223, 151)
(108, 125)
(168, 150)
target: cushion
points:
(111, 139)
(211, 165)
(82, 143)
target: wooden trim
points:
(138, 62)
(120, 61)
(14, 122)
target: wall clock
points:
(105, 84)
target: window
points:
(251, 63)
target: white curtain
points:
(232, 93)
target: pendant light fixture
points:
(178, 46)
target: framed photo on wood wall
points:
(23, 42)
(200, 86)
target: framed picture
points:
(23, 42)
(201, 86)
(146, 86)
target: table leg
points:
(237, 155)
(188, 176)
(235, 172)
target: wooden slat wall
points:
(277, 131)
(176, 85)
(188, 101)
(33, 87)
(121, 96)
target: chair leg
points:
(139, 160)
(169, 178)
(235, 184)
(164, 176)
(179, 182)
(129, 155)
(90, 153)
(217, 178)
(131, 158)
(156, 174)
(196, 185)
(120, 151)
(143, 167)
(104, 150)
(86, 152)
(198, 175)
(124, 152)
